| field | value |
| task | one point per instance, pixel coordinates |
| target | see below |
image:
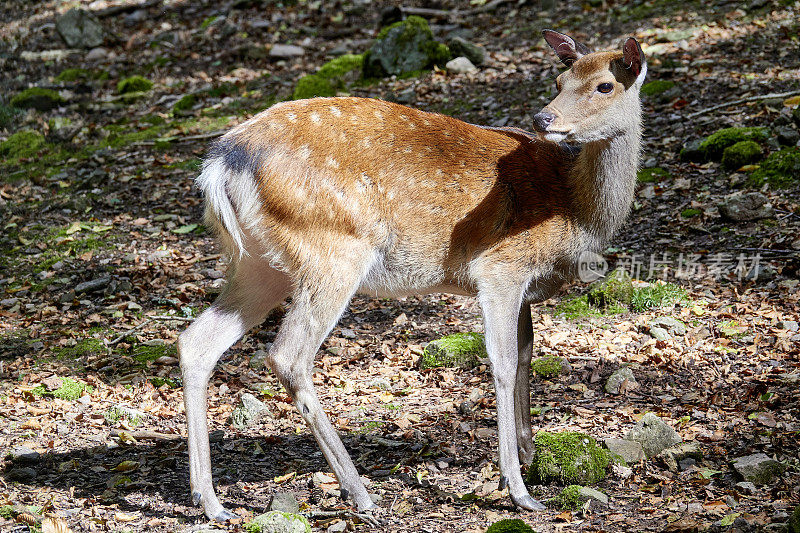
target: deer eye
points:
(605, 88)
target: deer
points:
(324, 198)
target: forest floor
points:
(113, 204)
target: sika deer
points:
(320, 199)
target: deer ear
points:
(567, 49)
(633, 57)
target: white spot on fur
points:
(331, 162)
(366, 142)
(378, 114)
(335, 111)
(291, 117)
(304, 152)
(315, 118)
(407, 150)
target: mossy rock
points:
(713, 146)
(8, 115)
(741, 154)
(657, 295)
(651, 175)
(548, 366)
(781, 169)
(691, 212)
(278, 522)
(458, 350)
(615, 290)
(656, 87)
(69, 389)
(510, 525)
(570, 498)
(333, 77)
(38, 99)
(569, 458)
(22, 144)
(186, 102)
(404, 48)
(80, 74)
(134, 84)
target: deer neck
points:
(602, 184)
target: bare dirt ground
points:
(127, 211)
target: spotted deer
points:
(324, 198)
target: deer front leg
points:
(501, 317)
(522, 390)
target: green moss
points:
(7, 512)
(186, 102)
(614, 291)
(277, 521)
(69, 390)
(781, 169)
(82, 348)
(577, 307)
(134, 84)
(145, 353)
(460, 349)
(331, 78)
(410, 38)
(731, 329)
(73, 74)
(714, 145)
(115, 414)
(688, 213)
(510, 525)
(22, 144)
(568, 457)
(208, 21)
(652, 175)
(439, 53)
(794, 521)
(741, 153)
(657, 87)
(548, 366)
(37, 98)
(657, 295)
(570, 498)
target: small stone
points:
(589, 493)
(278, 522)
(79, 29)
(67, 297)
(24, 455)
(286, 51)
(746, 487)
(461, 47)
(93, 285)
(672, 326)
(134, 18)
(659, 334)
(740, 207)
(623, 375)
(337, 527)
(21, 474)
(380, 384)
(96, 54)
(258, 361)
(653, 434)
(248, 413)
(788, 136)
(284, 502)
(686, 464)
(789, 325)
(9, 302)
(630, 451)
(465, 407)
(348, 333)
(758, 468)
(691, 151)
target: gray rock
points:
(407, 47)
(93, 285)
(460, 65)
(746, 487)
(672, 326)
(796, 116)
(659, 334)
(249, 412)
(653, 434)
(337, 527)
(278, 522)
(134, 18)
(284, 502)
(21, 474)
(789, 325)
(380, 384)
(589, 493)
(96, 54)
(23, 455)
(134, 416)
(462, 47)
(743, 206)
(629, 450)
(788, 136)
(674, 456)
(79, 29)
(691, 151)
(9, 302)
(258, 361)
(758, 468)
(67, 297)
(615, 380)
(286, 51)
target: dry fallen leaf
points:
(53, 524)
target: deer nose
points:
(542, 120)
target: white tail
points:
(323, 198)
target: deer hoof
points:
(224, 516)
(528, 503)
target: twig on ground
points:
(344, 513)
(150, 320)
(742, 101)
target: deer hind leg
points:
(522, 388)
(253, 290)
(317, 303)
